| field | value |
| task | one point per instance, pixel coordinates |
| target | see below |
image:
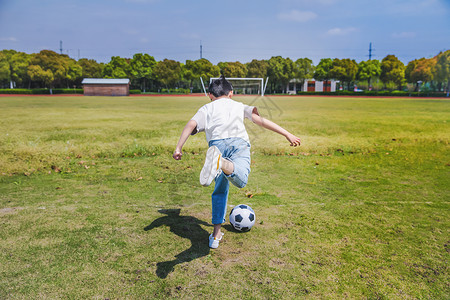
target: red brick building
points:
(106, 87)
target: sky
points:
(228, 30)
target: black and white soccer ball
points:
(242, 217)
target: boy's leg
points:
(237, 167)
(216, 232)
(212, 166)
(219, 203)
(227, 166)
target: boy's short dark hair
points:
(220, 87)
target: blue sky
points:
(229, 30)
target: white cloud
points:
(404, 35)
(341, 31)
(8, 39)
(297, 16)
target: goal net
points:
(246, 86)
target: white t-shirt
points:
(223, 118)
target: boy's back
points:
(223, 118)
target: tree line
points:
(48, 69)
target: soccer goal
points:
(247, 86)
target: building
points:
(311, 85)
(106, 87)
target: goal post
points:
(246, 85)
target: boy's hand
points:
(177, 154)
(295, 141)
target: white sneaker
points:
(212, 167)
(214, 242)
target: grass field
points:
(93, 206)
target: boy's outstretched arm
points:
(189, 129)
(265, 123)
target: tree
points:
(36, 73)
(281, 70)
(257, 69)
(303, 69)
(167, 72)
(368, 70)
(392, 70)
(63, 69)
(90, 68)
(323, 69)
(233, 69)
(410, 67)
(420, 70)
(142, 68)
(5, 73)
(18, 65)
(117, 67)
(442, 72)
(50, 66)
(203, 68)
(74, 72)
(344, 70)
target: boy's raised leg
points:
(212, 166)
(227, 166)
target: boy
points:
(228, 156)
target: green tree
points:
(8, 53)
(420, 70)
(64, 69)
(392, 70)
(36, 73)
(117, 67)
(19, 67)
(51, 66)
(5, 72)
(344, 70)
(410, 67)
(18, 63)
(257, 69)
(142, 68)
(74, 72)
(368, 69)
(322, 70)
(233, 69)
(303, 69)
(90, 68)
(281, 70)
(168, 72)
(442, 72)
(194, 69)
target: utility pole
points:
(201, 50)
(370, 51)
(60, 47)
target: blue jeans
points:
(237, 151)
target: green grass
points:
(89, 196)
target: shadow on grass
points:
(186, 227)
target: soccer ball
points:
(242, 217)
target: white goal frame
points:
(263, 86)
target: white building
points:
(311, 85)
